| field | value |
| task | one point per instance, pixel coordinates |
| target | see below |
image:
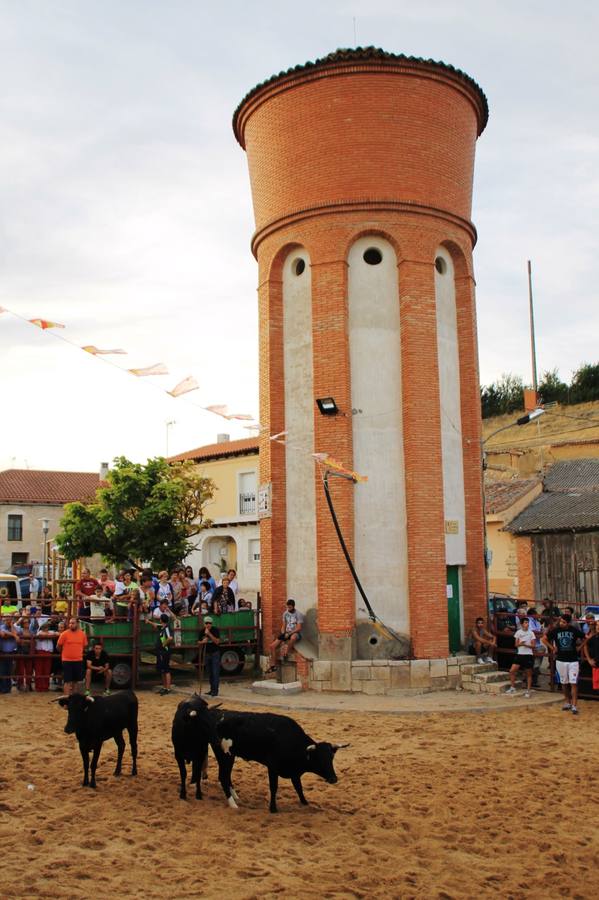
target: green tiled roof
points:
(366, 54)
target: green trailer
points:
(131, 644)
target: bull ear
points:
(62, 701)
(310, 747)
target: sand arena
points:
(435, 806)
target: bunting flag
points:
(95, 351)
(275, 437)
(331, 463)
(184, 387)
(158, 369)
(2, 310)
(44, 323)
(243, 417)
(218, 410)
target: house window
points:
(254, 550)
(15, 528)
(247, 493)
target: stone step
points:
(476, 668)
(495, 687)
(490, 677)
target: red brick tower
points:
(361, 167)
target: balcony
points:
(247, 504)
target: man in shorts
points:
(72, 643)
(564, 640)
(293, 620)
(97, 668)
(525, 640)
(481, 642)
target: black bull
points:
(275, 741)
(97, 719)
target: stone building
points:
(361, 169)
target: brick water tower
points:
(361, 168)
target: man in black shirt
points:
(210, 635)
(590, 648)
(97, 668)
(564, 640)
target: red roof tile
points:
(500, 495)
(243, 447)
(38, 486)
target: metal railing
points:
(247, 503)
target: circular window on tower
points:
(440, 265)
(372, 256)
(299, 266)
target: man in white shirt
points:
(525, 640)
(34, 587)
(293, 621)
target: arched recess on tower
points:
(380, 522)
(298, 367)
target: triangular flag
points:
(44, 323)
(281, 434)
(95, 351)
(158, 369)
(217, 410)
(188, 384)
(242, 416)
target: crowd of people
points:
(43, 644)
(554, 635)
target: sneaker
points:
(574, 711)
(480, 661)
(107, 693)
(162, 692)
(489, 659)
(567, 707)
(511, 690)
(527, 694)
(87, 694)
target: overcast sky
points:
(125, 208)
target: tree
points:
(503, 396)
(552, 389)
(150, 512)
(585, 384)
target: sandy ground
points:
(436, 806)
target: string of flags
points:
(186, 386)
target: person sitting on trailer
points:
(97, 668)
(293, 621)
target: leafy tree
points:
(585, 384)
(503, 396)
(552, 389)
(150, 512)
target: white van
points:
(10, 591)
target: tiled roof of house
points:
(569, 502)
(366, 55)
(242, 447)
(51, 488)
(500, 495)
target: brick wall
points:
(526, 585)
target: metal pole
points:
(532, 334)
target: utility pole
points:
(533, 349)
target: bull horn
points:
(310, 747)
(194, 712)
(91, 699)
(56, 700)
(340, 746)
(216, 706)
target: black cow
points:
(98, 719)
(194, 728)
(277, 742)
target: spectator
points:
(590, 649)
(106, 583)
(549, 608)
(164, 639)
(85, 587)
(176, 587)
(97, 605)
(97, 668)
(481, 642)
(163, 610)
(122, 594)
(34, 587)
(46, 601)
(193, 586)
(61, 605)
(233, 583)
(204, 575)
(181, 590)
(290, 635)
(223, 598)
(164, 591)
(204, 598)
(525, 640)
(44, 647)
(535, 626)
(24, 660)
(589, 626)
(72, 643)
(563, 640)
(9, 642)
(210, 636)
(147, 595)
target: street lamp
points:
(45, 530)
(168, 425)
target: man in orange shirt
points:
(72, 643)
